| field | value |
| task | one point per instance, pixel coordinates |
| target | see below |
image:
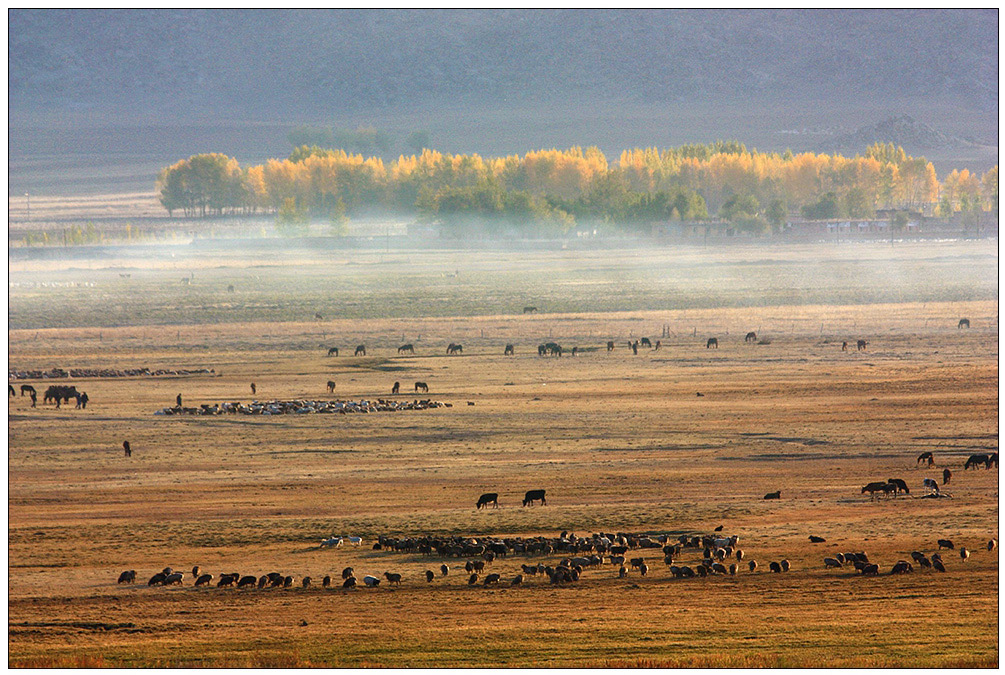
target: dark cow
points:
(976, 460)
(532, 496)
(333, 351)
(750, 337)
(396, 388)
(817, 540)
(712, 342)
(360, 350)
(421, 386)
(488, 498)
(964, 323)
(454, 349)
(331, 386)
(529, 310)
(646, 343)
(945, 543)
(773, 495)
(992, 459)
(926, 457)
(406, 348)
(508, 351)
(349, 583)
(901, 486)
(861, 345)
(947, 476)
(610, 345)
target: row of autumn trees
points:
(557, 188)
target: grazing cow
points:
(517, 580)
(529, 310)
(646, 343)
(195, 570)
(333, 351)
(861, 345)
(610, 345)
(553, 348)
(901, 486)
(360, 350)
(347, 572)
(976, 460)
(473, 579)
(393, 578)
(127, 448)
(396, 388)
(937, 564)
(406, 348)
(712, 342)
(575, 350)
(128, 577)
(870, 570)
(491, 579)
(992, 458)
(263, 581)
(533, 495)
(773, 495)
(926, 457)
(964, 323)
(945, 543)
(817, 540)
(226, 580)
(622, 572)
(947, 476)
(288, 582)
(331, 386)
(752, 565)
(488, 498)
(429, 576)
(873, 488)
(750, 337)
(931, 485)
(508, 351)
(902, 567)
(249, 580)
(355, 541)
(421, 386)
(203, 580)
(306, 583)
(992, 543)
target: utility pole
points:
(27, 199)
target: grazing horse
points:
(532, 496)
(488, 498)
(861, 345)
(406, 348)
(976, 460)
(553, 348)
(750, 337)
(992, 459)
(421, 386)
(646, 343)
(926, 456)
(947, 476)
(931, 485)
(454, 349)
(508, 351)
(529, 310)
(964, 323)
(360, 350)
(331, 387)
(610, 345)
(333, 350)
(396, 388)
(26, 388)
(541, 350)
(899, 485)
(712, 342)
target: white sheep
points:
(371, 581)
(355, 541)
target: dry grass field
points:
(621, 443)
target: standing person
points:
(129, 450)
(179, 400)
(253, 389)
(34, 398)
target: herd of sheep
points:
(303, 407)
(60, 373)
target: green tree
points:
(825, 209)
(291, 221)
(777, 212)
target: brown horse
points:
(508, 351)
(750, 337)
(861, 345)
(421, 386)
(964, 323)
(712, 342)
(406, 348)
(333, 351)
(396, 387)
(926, 457)
(360, 350)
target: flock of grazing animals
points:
(892, 487)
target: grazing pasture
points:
(621, 442)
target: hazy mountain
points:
(196, 65)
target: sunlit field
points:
(675, 441)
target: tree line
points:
(555, 189)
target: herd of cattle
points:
(623, 552)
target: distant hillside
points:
(195, 65)
(904, 130)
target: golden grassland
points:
(620, 442)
